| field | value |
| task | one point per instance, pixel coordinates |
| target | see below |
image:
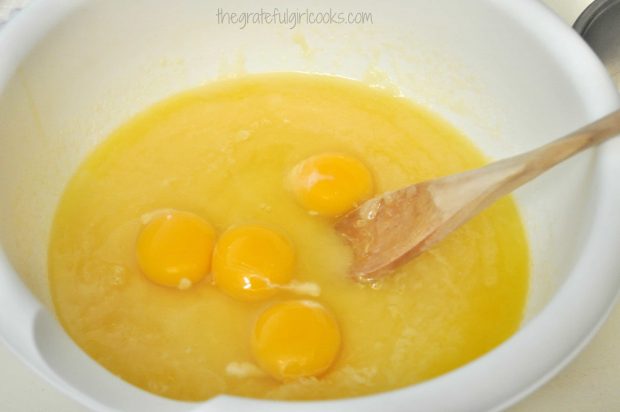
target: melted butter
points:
(223, 152)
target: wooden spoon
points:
(390, 229)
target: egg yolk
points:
(249, 262)
(295, 339)
(331, 184)
(174, 249)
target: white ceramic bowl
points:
(509, 73)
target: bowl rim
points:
(497, 379)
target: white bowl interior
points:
(105, 61)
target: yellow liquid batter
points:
(223, 152)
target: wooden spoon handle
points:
(460, 197)
(489, 183)
(545, 157)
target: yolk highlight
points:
(295, 339)
(331, 184)
(249, 262)
(174, 249)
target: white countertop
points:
(590, 383)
